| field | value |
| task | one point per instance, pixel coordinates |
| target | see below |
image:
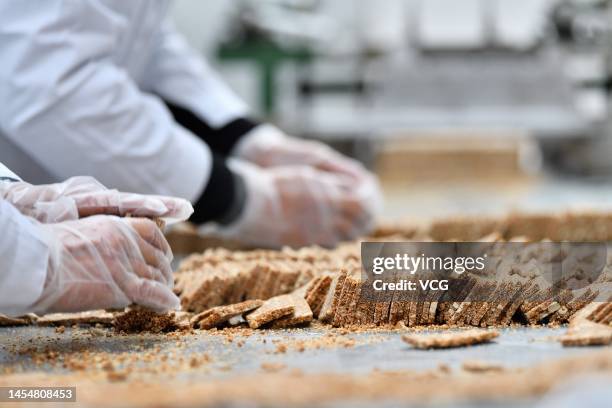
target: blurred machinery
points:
(355, 71)
(584, 34)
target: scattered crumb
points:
(139, 319)
(272, 367)
(477, 366)
(444, 368)
(116, 376)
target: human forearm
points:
(23, 261)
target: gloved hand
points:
(106, 262)
(80, 197)
(299, 205)
(267, 146)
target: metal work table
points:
(382, 350)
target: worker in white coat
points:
(53, 259)
(107, 88)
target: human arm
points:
(99, 262)
(23, 261)
(80, 197)
(71, 108)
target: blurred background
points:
(460, 106)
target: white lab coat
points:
(23, 258)
(78, 95)
(6, 173)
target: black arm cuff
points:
(223, 199)
(220, 140)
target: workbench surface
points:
(307, 350)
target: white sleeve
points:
(182, 77)
(65, 103)
(23, 261)
(6, 174)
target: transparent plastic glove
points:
(267, 146)
(80, 197)
(105, 262)
(297, 206)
